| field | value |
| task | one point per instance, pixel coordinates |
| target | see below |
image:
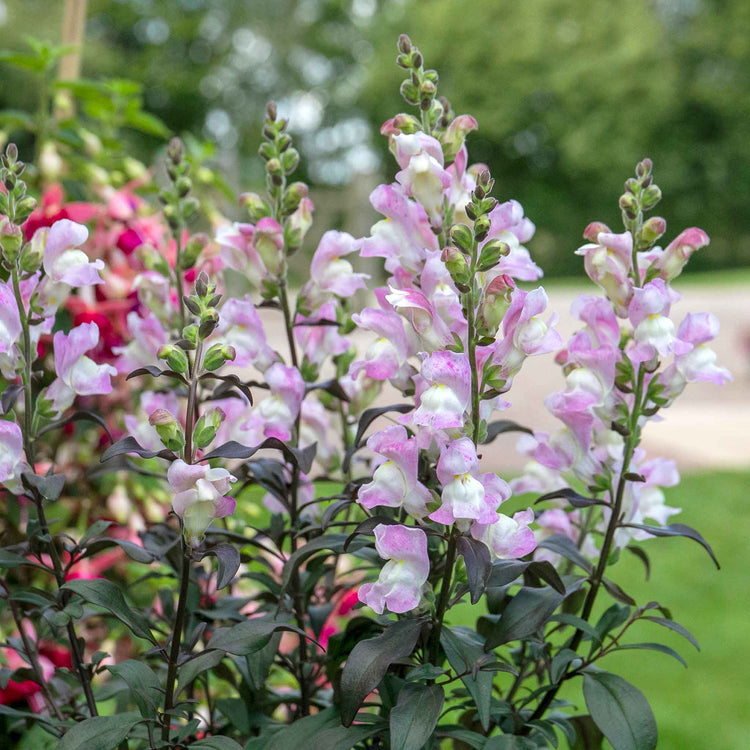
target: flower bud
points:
(404, 44)
(652, 230)
(651, 196)
(192, 250)
(203, 287)
(292, 197)
(255, 205)
(457, 265)
(482, 227)
(643, 168)
(410, 92)
(629, 204)
(407, 124)
(32, 256)
(206, 427)
(491, 253)
(592, 231)
(168, 429)
(218, 355)
(190, 334)
(290, 160)
(11, 240)
(176, 151)
(496, 301)
(175, 358)
(462, 236)
(632, 186)
(209, 321)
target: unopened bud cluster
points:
(179, 204)
(17, 207)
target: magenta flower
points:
(508, 537)
(330, 271)
(199, 497)
(399, 585)
(448, 389)
(77, 374)
(64, 262)
(12, 464)
(467, 495)
(394, 483)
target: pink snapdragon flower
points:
(10, 321)
(672, 260)
(323, 341)
(404, 236)
(698, 364)
(269, 244)
(63, 261)
(399, 585)
(422, 175)
(467, 495)
(394, 483)
(524, 332)
(443, 402)
(423, 315)
(240, 326)
(200, 497)
(508, 537)
(12, 464)
(275, 415)
(654, 332)
(237, 251)
(77, 374)
(608, 261)
(148, 336)
(330, 272)
(388, 353)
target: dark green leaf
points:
(130, 445)
(463, 649)
(370, 415)
(620, 710)
(525, 614)
(300, 733)
(99, 732)
(250, 636)
(675, 626)
(301, 457)
(465, 736)
(509, 742)
(478, 564)
(50, 487)
(156, 372)
(198, 664)
(80, 416)
(501, 426)
(344, 738)
(579, 624)
(107, 595)
(560, 664)
(369, 661)
(617, 593)
(12, 560)
(143, 683)
(415, 716)
(676, 529)
(331, 386)
(654, 647)
(563, 546)
(574, 498)
(131, 549)
(229, 562)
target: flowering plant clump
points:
(252, 534)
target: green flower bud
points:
(206, 427)
(292, 197)
(11, 240)
(457, 265)
(175, 358)
(482, 227)
(190, 333)
(410, 92)
(168, 429)
(203, 286)
(644, 168)
(183, 185)
(652, 230)
(491, 253)
(32, 256)
(629, 204)
(218, 355)
(192, 250)
(24, 207)
(255, 205)
(208, 323)
(290, 160)
(651, 196)
(462, 236)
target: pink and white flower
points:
(330, 272)
(444, 400)
(399, 585)
(12, 464)
(64, 262)
(508, 537)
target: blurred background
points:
(569, 95)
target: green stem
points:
(77, 654)
(469, 306)
(174, 651)
(596, 580)
(445, 590)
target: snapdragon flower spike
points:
(399, 585)
(467, 495)
(199, 497)
(77, 374)
(64, 262)
(11, 455)
(394, 483)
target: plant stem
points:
(174, 651)
(77, 654)
(630, 444)
(469, 305)
(445, 589)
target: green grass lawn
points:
(706, 706)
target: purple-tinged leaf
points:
(79, 416)
(674, 626)
(130, 445)
(501, 426)
(478, 564)
(49, 487)
(301, 457)
(574, 498)
(415, 715)
(229, 562)
(563, 546)
(156, 372)
(676, 529)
